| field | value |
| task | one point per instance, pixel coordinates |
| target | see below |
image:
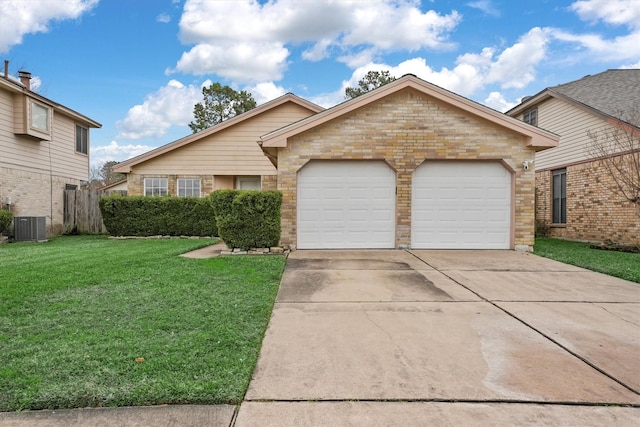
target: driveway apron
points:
(455, 335)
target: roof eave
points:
(15, 87)
(125, 167)
(540, 139)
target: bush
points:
(248, 219)
(5, 220)
(153, 216)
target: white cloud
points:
(246, 41)
(400, 26)
(614, 12)
(485, 6)
(117, 152)
(318, 52)
(171, 105)
(266, 91)
(35, 83)
(244, 62)
(33, 16)
(631, 66)
(611, 12)
(163, 18)
(497, 101)
(515, 66)
(597, 48)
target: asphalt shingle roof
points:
(611, 92)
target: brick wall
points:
(405, 129)
(596, 211)
(35, 194)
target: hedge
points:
(248, 219)
(153, 216)
(5, 220)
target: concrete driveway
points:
(446, 338)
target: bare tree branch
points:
(617, 147)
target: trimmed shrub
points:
(248, 219)
(153, 216)
(5, 220)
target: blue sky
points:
(138, 66)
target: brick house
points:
(44, 149)
(224, 156)
(576, 197)
(407, 165)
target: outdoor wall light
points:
(9, 201)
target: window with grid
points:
(156, 187)
(82, 139)
(188, 187)
(531, 116)
(559, 190)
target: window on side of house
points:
(156, 186)
(188, 187)
(40, 117)
(559, 194)
(531, 116)
(248, 183)
(82, 139)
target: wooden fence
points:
(82, 212)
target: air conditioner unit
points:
(30, 229)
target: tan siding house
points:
(226, 155)
(41, 153)
(576, 197)
(407, 165)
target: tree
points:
(371, 80)
(220, 103)
(102, 175)
(618, 149)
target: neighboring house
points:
(407, 165)
(224, 156)
(577, 197)
(44, 149)
(120, 185)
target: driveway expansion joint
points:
(528, 325)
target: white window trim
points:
(159, 187)
(181, 186)
(32, 122)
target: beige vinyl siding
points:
(57, 156)
(232, 151)
(572, 124)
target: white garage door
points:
(461, 205)
(346, 204)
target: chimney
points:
(25, 78)
(6, 68)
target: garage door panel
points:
(461, 205)
(346, 204)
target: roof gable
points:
(538, 138)
(125, 166)
(16, 87)
(610, 94)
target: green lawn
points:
(619, 264)
(76, 313)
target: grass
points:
(89, 321)
(619, 264)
